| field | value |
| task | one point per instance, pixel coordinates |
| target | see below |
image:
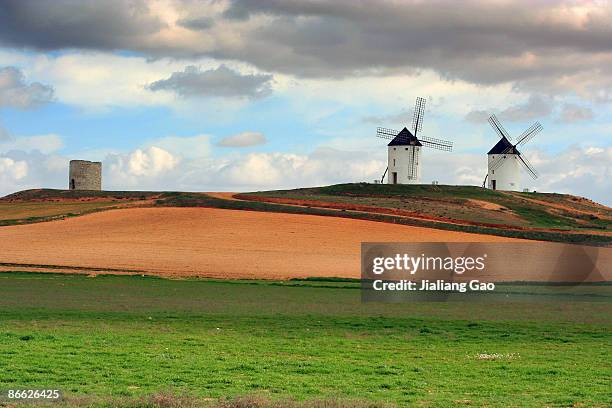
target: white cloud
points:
(243, 139)
(11, 169)
(190, 147)
(140, 166)
(577, 170)
(23, 170)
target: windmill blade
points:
(530, 170)
(411, 166)
(417, 116)
(385, 133)
(529, 133)
(498, 162)
(500, 159)
(499, 129)
(436, 143)
(414, 163)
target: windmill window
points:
(406, 148)
(394, 148)
(394, 162)
(492, 171)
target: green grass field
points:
(125, 337)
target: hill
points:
(540, 216)
(457, 204)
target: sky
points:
(245, 95)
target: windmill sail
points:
(385, 133)
(417, 116)
(436, 143)
(530, 170)
(529, 133)
(413, 164)
(499, 129)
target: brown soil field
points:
(207, 242)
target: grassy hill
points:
(540, 216)
(463, 204)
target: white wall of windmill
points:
(504, 175)
(404, 164)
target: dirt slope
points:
(210, 242)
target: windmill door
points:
(394, 177)
(494, 183)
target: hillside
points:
(457, 204)
(540, 216)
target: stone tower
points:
(85, 175)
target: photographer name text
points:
(437, 285)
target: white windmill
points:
(504, 159)
(404, 150)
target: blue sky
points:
(240, 95)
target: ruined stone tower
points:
(85, 175)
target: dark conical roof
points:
(405, 138)
(501, 147)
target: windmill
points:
(404, 150)
(504, 159)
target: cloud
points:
(21, 170)
(243, 139)
(219, 82)
(287, 170)
(190, 147)
(16, 93)
(86, 24)
(12, 170)
(42, 143)
(548, 45)
(477, 116)
(147, 163)
(573, 113)
(584, 171)
(535, 107)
